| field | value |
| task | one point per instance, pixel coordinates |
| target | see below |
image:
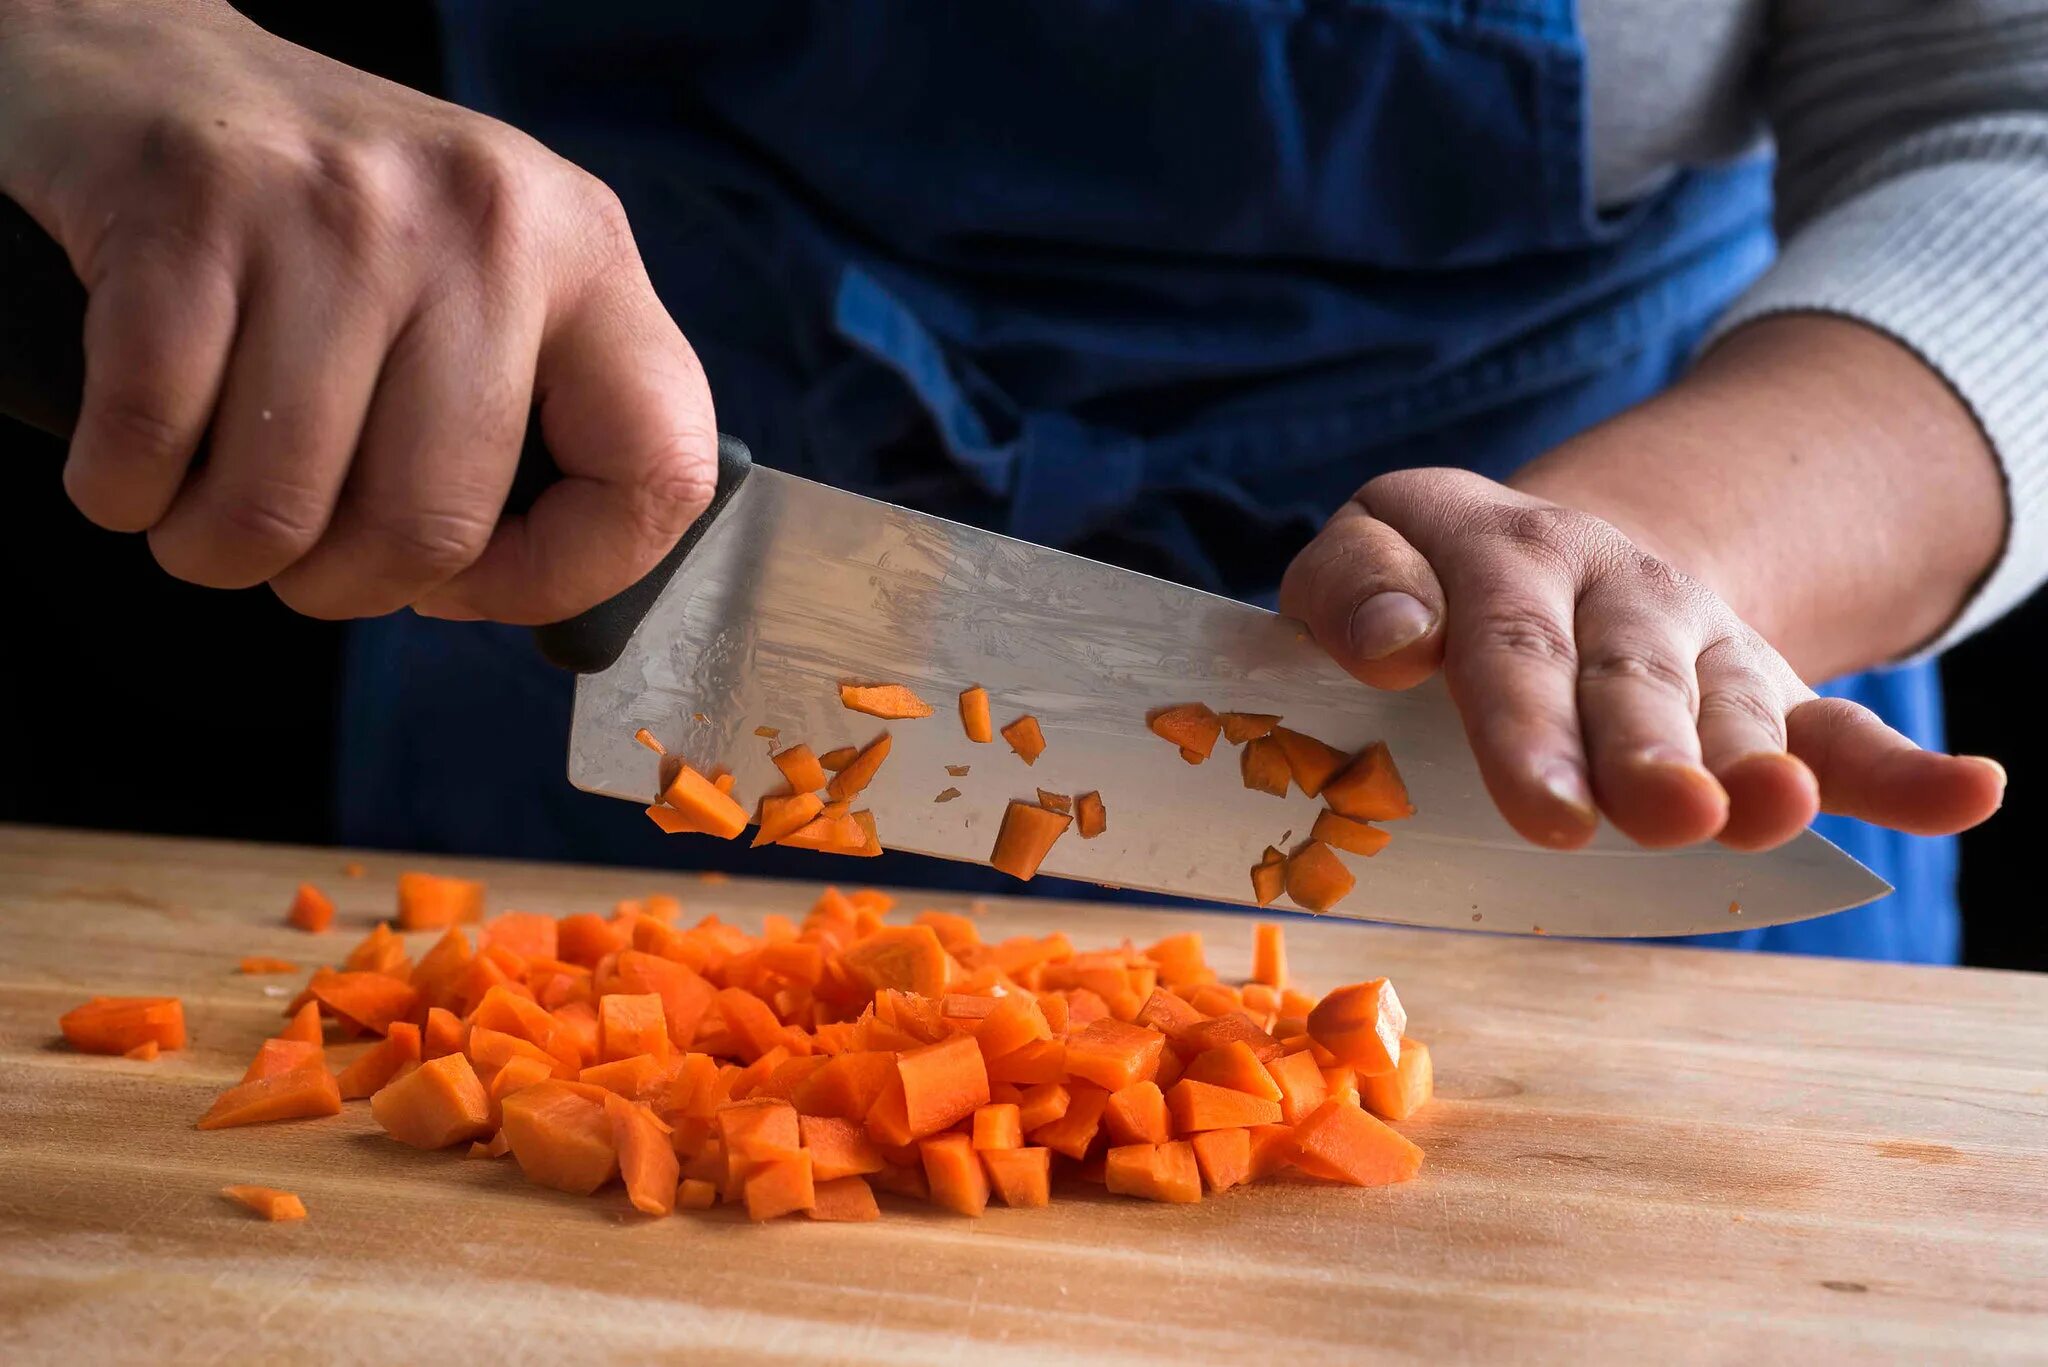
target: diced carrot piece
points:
(708, 808)
(1264, 768)
(1090, 817)
(1205, 1106)
(782, 1185)
(800, 767)
(1025, 738)
(1158, 1172)
(685, 996)
(428, 901)
(630, 1024)
(838, 1147)
(847, 1086)
(752, 1128)
(850, 781)
(1041, 1105)
(263, 963)
(1273, 1149)
(1239, 727)
(998, 1126)
(439, 1103)
(829, 834)
(445, 1033)
(1165, 1012)
(846, 1199)
(1269, 880)
(671, 821)
(275, 1056)
(1191, 756)
(268, 1202)
(1346, 834)
(838, 759)
(1191, 726)
(1311, 762)
(904, 958)
(781, 816)
(1013, 1022)
(1224, 1156)
(370, 1001)
(1021, 1177)
(308, 1090)
(1361, 1025)
(1137, 1115)
(586, 938)
(1316, 879)
(1370, 788)
(381, 951)
(560, 1136)
(381, 1063)
(525, 933)
(943, 1083)
(1401, 1093)
(892, 702)
(646, 738)
(1113, 1054)
(866, 821)
(1269, 955)
(647, 1162)
(1300, 1084)
(958, 1181)
(1341, 1082)
(305, 1019)
(634, 1078)
(1218, 1031)
(144, 1052)
(1025, 838)
(974, 718)
(1234, 1066)
(311, 909)
(114, 1025)
(1076, 1129)
(694, 1193)
(1346, 1144)
(1055, 802)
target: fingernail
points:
(1987, 761)
(1567, 783)
(1386, 622)
(1676, 761)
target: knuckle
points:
(273, 521)
(135, 426)
(1560, 538)
(431, 542)
(1526, 630)
(350, 192)
(675, 487)
(604, 219)
(1747, 705)
(487, 179)
(1641, 664)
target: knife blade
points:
(797, 587)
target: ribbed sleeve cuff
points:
(1951, 259)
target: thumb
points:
(1369, 598)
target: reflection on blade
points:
(800, 587)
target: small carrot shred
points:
(767, 732)
(1311, 762)
(835, 760)
(781, 816)
(892, 702)
(1361, 1024)
(957, 770)
(1263, 765)
(800, 767)
(1025, 838)
(704, 805)
(849, 782)
(1369, 788)
(429, 901)
(1025, 738)
(1269, 880)
(1348, 834)
(1269, 955)
(114, 1025)
(1239, 727)
(264, 963)
(1090, 817)
(352, 870)
(310, 909)
(646, 738)
(946, 794)
(268, 1202)
(1057, 802)
(1192, 726)
(144, 1052)
(1316, 879)
(974, 717)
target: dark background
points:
(142, 703)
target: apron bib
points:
(1159, 281)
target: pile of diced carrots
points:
(805, 1068)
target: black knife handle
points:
(42, 379)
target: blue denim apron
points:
(1160, 281)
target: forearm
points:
(1814, 473)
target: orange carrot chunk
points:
(1300, 1084)
(891, 701)
(838, 759)
(781, 816)
(1263, 765)
(311, 909)
(954, 1170)
(848, 782)
(560, 1136)
(1113, 1054)
(428, 901)
(370, 1001)
(1224, 1156)
(1205, 1106)
(1269, 955)
(1347, 834)
(268, 1202)
(1311, 762)
(304, 1091)
(114, 1025)
(1137, 1115)
(369, 1073)
(779, 1185)
(694, 1193)
(1025, 738)
(902, 958)
(647, 1161)
(1269, 880)
(1316, 879)
(1234, 1066)
(943, 1084)
(1192, 726)
(144, 1052)
(437, 1104)
(1025, 838)
(263, 963)
(800, 767)
(1397, 1095)
(1370, 788)
(1361, 1025)
(1090, 816)
(1239, 727)
(1157, 1172)
(974, 718)
(1055, 802)
(847, 1199)
(1021, 1177)
(703, 804)
(646, 738)
(1345, 1144)
(997, 1126)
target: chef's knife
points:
(787, 588)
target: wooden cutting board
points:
(1637, 1154)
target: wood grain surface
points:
(1637, 1154)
